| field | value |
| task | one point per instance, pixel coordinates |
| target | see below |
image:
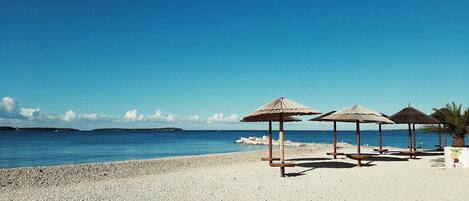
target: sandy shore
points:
(242, 176)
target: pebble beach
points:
(242, 176)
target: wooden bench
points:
(282, 165)
(269, 159)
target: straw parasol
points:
(334, 146)
(358, 114)
(381, 149)
(279, 109)
(412, 116)
(254, 119)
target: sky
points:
(205, 64)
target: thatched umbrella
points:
(412, 116)
(254, 119)
(358, 114)
(381, 149)
(279, 109)
(334, 146)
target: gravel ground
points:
(242, 176)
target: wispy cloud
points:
(220, 118)
(10, 110)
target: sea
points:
(28, 148)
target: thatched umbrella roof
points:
(410, 115)
(281, 107)
(357, 113)
(320, 117)
(265, 119)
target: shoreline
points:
(240, 176)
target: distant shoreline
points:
(54, 129)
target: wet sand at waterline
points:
(242, 176)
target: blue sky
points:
(196, 60)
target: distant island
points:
(51, 129)
(48, 129)
(138, 129)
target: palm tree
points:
(456, 121)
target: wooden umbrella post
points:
(282, 148)
(335, 140)
(270, 142)
(439, 136)
(415, 138)
(380, 140)
(444, 134)
(358, 144)
(410, 142)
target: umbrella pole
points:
(410, 141)
(282, 148)
(380, 140)
(358, 143)
(270, 142)
(439, 136)
(415, 137)
(335, 140)
(444, 134)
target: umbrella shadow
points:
(431, 154)
(294, 174)
(384, 158)
(307, 159)
(326, 164)
(405, 155)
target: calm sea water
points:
(22, 149)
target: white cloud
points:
(90, 117)
(96, 117)
(30, 113)
(171, 117)
(220, 118)
(159, 116)
(70, 116)
(133, 115)
(9, 104)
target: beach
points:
(242, 176)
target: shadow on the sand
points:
(308, 159)
(384, 158)
(327, 164)
(431, 154)
(294, 174)
(405, 155)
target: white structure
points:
(457, 157)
